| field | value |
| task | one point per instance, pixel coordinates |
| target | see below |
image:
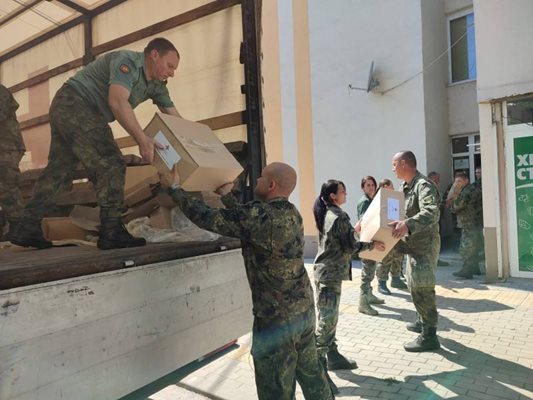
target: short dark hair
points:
(409, 157)
(368, 178)
(385, 182)
(161, 45)
(432, 174)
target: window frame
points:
(451, 17)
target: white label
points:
(167, 154)
(393, 209)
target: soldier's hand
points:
(170, 178)
(379, 246)
(146, 148)
(225, 189)
(399, 229)
(357, 227)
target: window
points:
(463, 48)
(520, 111)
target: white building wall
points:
(356, 133)
(503, 47)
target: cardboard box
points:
(137, 183)
(87, 218)
(61, 228)
(204, 163)
(161, 218)
(387, 206)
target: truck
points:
(80, 323)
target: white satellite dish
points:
(372, 82)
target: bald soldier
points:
(422, 246)
(271, 231)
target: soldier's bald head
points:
(407, 156)
(284, 177)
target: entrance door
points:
(519, 167)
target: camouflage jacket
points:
(10, 137)
(422, 211)
(333, 261)
(468, 206)
(272, 246)
(362, 205)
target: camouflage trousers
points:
(368, 272)
(327, 301)
(420, 273)
(10, 196)
(391, 263)
(471, 245)
(79, 134)
(284, 352)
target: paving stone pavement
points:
(486, 333)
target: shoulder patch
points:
(124, 68)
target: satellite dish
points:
(372, 82)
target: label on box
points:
(393, 209)
(168, 155)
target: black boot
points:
(397, 283)
(337, 361)
(383, 289)
(414, 326)
(465, 273)
(28, 233)
(426, 341)
(113, 235)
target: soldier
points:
(11, 152)
(434, 177)
(109, 88)
(392, 262)
(368, 271)
(271, 233)
(468, 207)
(422, 246)
(333, 264)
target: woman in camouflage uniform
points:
(366, 297)
(333, 264)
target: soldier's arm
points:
(5, 104)
(429, 208)
(345, 235)
(170, 111)
(231, 222)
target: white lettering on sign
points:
(525, 160)
(524, 173)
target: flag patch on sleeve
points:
(124, 68)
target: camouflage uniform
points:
(469, 210)
(422, 245)
(283, 345)
(11, 152)
(79, 117)
(391, 263)
(368, 271)
(333, 264)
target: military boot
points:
(365, 307)
(464, 273)
(383, 289)
(28, 233)
(332, 386)
(337, 361)
(426, 341)
(113, 235)
(373, 299)
(397, 283)
(414, 326)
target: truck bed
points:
(24, 266)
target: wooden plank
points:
(181, 19)
(22, 267)
(36, 121)
(15, 13)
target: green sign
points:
(523, 164)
